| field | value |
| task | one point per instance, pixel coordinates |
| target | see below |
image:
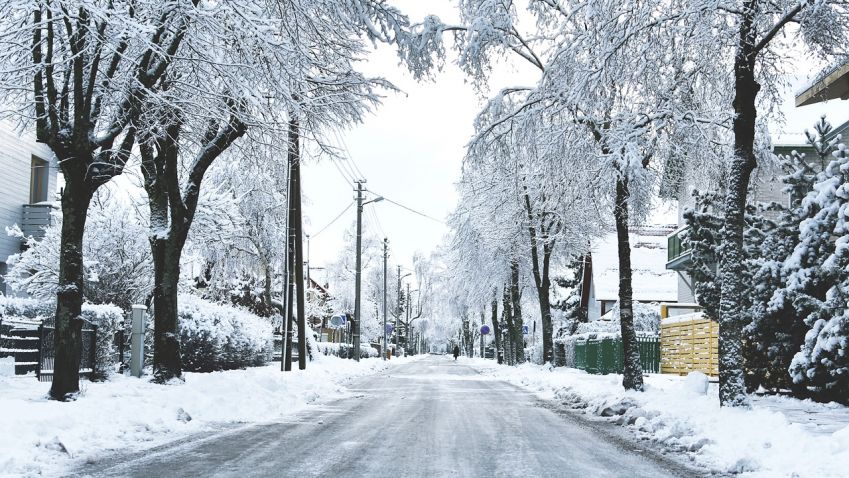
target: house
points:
(27, 184)
(651, 281)
(766, 187)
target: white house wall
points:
(16, 154)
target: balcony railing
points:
(678, 251)
(35, 218)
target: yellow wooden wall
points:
(689, 346)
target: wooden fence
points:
(689, 343)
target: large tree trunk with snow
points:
(172, 210)
(496, 330)
(516, 306)
(632, 373)
(166, 252)
(69, 297)
(732, 388)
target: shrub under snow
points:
(217, 337)
(646, 319)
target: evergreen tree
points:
(703, 236)
(777, 331)
(822, 365)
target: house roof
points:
(831, 84)
(651, 280)
(788, 127)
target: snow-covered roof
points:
(651, 280)
(790, 131)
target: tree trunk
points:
(516, 300)
(167, 363)
(541, 281)
(266, 291)
(632, 373)
(496, 330)
(507, 315)
(545, 312)
(69, 298)
(732, 388)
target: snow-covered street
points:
(431, 417)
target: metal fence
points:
(604, 355)
(32, 344)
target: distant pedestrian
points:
(456, 351)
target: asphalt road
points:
(429, 418)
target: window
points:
(39, 180)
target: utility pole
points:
(398, 314)
(285, 360)
(385, 348)
(307, 263)
(407, 327)
(295, 156)
(356, 326)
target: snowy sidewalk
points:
(778, 437)
(43, 437)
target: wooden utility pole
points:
(297, 231)
(398, 314)
(356, 326)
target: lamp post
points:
(384, 349)
(400, 278)
(409, 320)
(356, 327)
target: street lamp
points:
(397, 317)
(410, 321)
(360, 204)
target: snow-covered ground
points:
(43, 437)
(778, 437)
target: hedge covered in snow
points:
(218, 337)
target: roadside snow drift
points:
(778, 437)
(43, 437)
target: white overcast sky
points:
(410, 151)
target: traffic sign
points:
(485, 330)
(525, 330)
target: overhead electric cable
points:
(410, 209)
(333, 221)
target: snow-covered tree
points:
(116, 261)
(819, 262)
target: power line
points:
(376, 220)
(333, 221)
(347, 179)
(410, 209)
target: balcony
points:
(679, 253)
(35, 218)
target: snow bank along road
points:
(433, 417)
